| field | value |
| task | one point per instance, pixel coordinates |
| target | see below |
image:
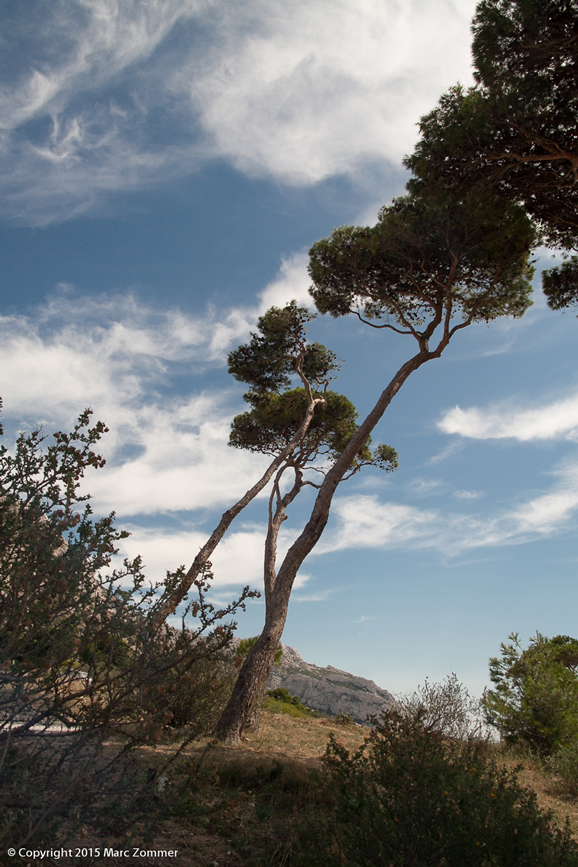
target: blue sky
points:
(165, 166)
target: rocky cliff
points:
(329, 690)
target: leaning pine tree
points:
(432, 266)
(276, 417)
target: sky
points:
(165, 166)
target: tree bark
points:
(253, 676)
(259, 662)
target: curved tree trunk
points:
(258, 664)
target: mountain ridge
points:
(327, 689)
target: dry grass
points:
(225, 823)
(550, 790)
(282, 736)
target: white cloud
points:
(555, 420)
(165, 452)
(310, 89)
(297, 92)
(292, 283)
(363, 521)
(551, 511)
(425, 487)
(468, 495)
(237, 561)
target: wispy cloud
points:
(364, 521)
(554, 420)
(425, 487)
(468, 495)
(297, 92)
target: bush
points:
(445, 707)
(280, 701)
(81, 661)
(535, 699)
(343, 719)
(410, 797)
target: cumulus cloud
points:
(297, 92)
(555, 420)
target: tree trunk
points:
(258, 664)
(169, 606)
(252, 679)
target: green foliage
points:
(525, 53)
(535, 699)
(343, 719)
(276, 418)
(275, 352)
(280, 701)
(278, 351)
(561, 284)
(245, 645)
(512, 138)
(410, 797)
(427, 259)
(564, 763)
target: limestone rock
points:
(329, 690)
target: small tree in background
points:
(535, 695)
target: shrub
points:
(280, 701)
(410, 797)
(445, 707)
(80, 658)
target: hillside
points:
(329, 690)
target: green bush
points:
(535, 695)
(343, 719)
(411, 797)
(280, 701)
